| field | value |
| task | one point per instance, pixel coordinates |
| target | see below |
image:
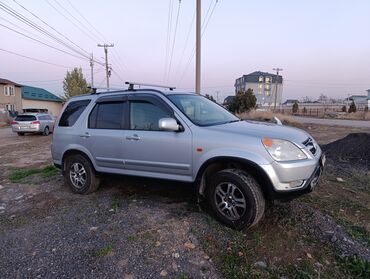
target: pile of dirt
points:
(353, 149)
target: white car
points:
(33, 123)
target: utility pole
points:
(198, 47)
(276, 84)
(107, 67)
(92, 70)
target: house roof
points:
(6, 81)
(253, 77)
(291, 101)
(357, 96)
(35, 93)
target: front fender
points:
(253, 157)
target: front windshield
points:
(202, 111)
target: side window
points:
(41, 117)
(145, 116)
(106, 116)
(72, 113)
(48, 117)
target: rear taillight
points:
(14, 122)
(35, 122)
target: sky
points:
(322, 46)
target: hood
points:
(263, 129)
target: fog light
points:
(296, 183)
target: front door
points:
(150, 151)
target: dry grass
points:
(359, 115)
(269, 117)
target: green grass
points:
(358, 232)
(233, 267)
(19, 175)
(115, 204)
(103, 251)
(356, 267)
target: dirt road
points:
(140, 228)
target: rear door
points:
(105, 132)
(150, 151)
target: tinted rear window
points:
(72, 113)
(25, 118)
(106, 116)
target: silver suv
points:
(33, 123)
(237, 165)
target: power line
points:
(186, 41)
(35, 59)
(27, 21)
(68, 19)
(116, 57)
(168, 40)
(92, 26)
(36, 40)
(174, 39)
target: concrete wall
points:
(15, 100)
(54, 108)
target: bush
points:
(352, 107)
(243, 101)
(295, 107)
(344, 108)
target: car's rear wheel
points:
(20, 134)
(46, 131)
(236, 198)
(80, 174)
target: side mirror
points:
(168, 124)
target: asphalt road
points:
(336, 122)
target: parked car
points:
(33, 123)
(237, 165)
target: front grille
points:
(310, 145)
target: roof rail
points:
(132, 84)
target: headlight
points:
(283, 150)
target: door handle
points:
(86, 135)
(133, 137)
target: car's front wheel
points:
(236, 198)
(80, 174)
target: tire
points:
(86, 181)
(20, 134)
(236, 198)
(46, 131)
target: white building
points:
(263, 86)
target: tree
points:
(352, 107)
(243, 101)
(295, 107)
(74, 84)
(210, 97)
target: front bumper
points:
(281, 179)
